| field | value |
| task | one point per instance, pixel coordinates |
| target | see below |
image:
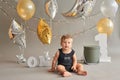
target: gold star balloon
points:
(44, 32)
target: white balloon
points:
(109, 8)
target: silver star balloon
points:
(19, 39)
(51, 8)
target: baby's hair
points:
(66, 36)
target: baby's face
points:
(67, 43)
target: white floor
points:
(10, 70)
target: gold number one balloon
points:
(105, 25)
(25, 9)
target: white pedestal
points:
(105, 59)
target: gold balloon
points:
(105, 25)
(25, 9)
(44, 32)
(118, 1)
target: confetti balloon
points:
(105, 25)
(25, 9)
(44, 32)
(51, 8)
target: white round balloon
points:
(109, 8)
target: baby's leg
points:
(80, 70)
(63, 71)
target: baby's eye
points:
(68, 42)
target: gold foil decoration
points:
(44, 32)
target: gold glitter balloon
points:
(44, 32)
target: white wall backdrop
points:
(86, 29)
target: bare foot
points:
(84, 73)
(67, 74)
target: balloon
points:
(105, 25)
(118, 1)
(81, 8)
(44, 32)
(51, 8)
(109, 8)
(88, 6)
(17, 34)
(25, 9)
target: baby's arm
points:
(74, 62)
(54, 61)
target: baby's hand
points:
(74, 68)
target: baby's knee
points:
(79, 65)
(60, 67)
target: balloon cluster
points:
(108, 9)
(82, 8)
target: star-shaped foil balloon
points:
(17, 34)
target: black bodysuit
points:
(66, 59)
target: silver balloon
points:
(81, 8)
(88, 6)
(51, 8)
(19, 39)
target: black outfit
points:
(66, 59)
